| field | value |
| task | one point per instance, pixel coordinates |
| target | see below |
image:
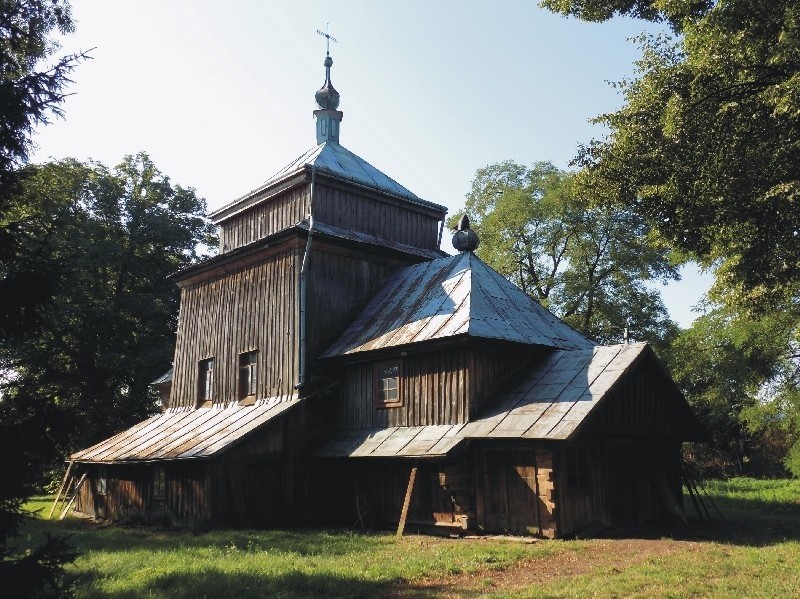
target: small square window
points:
(247, 375)
(205, 382)
(387, 392)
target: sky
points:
(221, 94)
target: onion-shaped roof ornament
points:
(465, 239)
(327, 97)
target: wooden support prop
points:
(61, 489)
(74, 495)
(674, 509)
(407, 501)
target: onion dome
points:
(465, 239)
(327, 97)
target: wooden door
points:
(264, 493)
(622, 468)
(509, 491)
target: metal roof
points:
(553, 398)
(327, 230)
(331, 158)
(164, 378)
(456, 295)
(549, 402)
(180, 433)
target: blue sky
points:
(221, 94)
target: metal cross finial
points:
(328, 37)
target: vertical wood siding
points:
(358, 212)
(267, 218)
(339, 285)
(434, 389)
(128, 495)
(515, 491)
(643, 403)
(252, 308)
(337, 490)
(444, 386)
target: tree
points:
(30, 94)
(741, 376)
(586, 261)
(707, 142)
(108, 239)
(706, 147)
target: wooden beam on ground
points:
(407, 501)
(72, 498)
(61, 489)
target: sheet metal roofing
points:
(456, 295)
(321, 228)
(333, 159)
(548, 403)
(180, 433)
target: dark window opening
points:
(387, 385)
(159, 482)
(102, 479)
(205, 381)
(247, 375)
(577, 468)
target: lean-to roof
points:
(456, 295)
(180, 433)
(551, 401)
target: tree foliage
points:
(706, 147)
(741, 376)
(108, 239)
(587, 262)
(31, 93)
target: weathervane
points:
(328, 37)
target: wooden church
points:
(333, 365)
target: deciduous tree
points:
(587, 261)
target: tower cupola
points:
(327, 98)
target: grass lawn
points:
(754, 552)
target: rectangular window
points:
(247, 375)
(577, 468)
(102, 479)
(205, 382)
(387, 384)
(159, 482)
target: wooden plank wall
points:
(508, 495)
(129, 494)
(358, 212)
(434, 389)
(274, 215)
(645, 403)
(489, 371)
(579, 508)
(338, 488)
(252, 308)
(621, 490)
(231, 475)
(339, 285)
(443, 386)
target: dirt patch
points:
(589, 556)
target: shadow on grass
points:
(750, 522)
(89, 535)
(218, 584)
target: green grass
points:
(755, 552)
